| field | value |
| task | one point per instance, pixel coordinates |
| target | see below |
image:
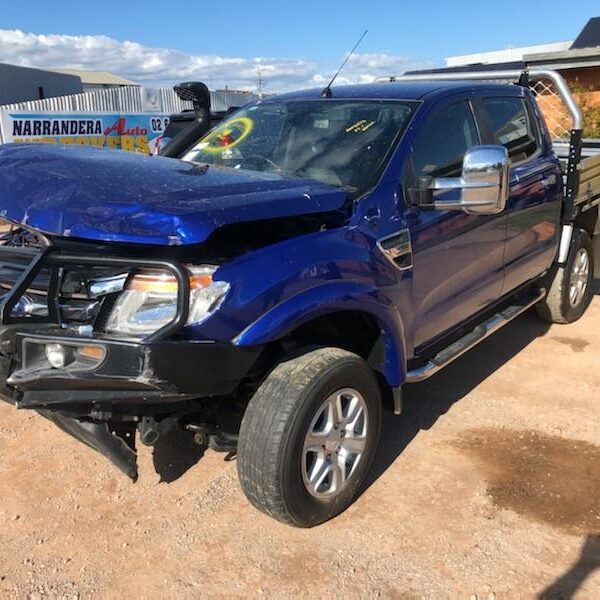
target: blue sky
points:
(295, 42)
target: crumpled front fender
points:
(329, 298)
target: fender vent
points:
(398, 249)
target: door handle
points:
(549, 181)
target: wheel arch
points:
(332, 314)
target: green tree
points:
(588, 99)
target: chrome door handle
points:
(549, 181)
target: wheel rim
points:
(579, 277)
(335, 443)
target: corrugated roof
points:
(96, 77)
(589, 37)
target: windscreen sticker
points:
(360, 126)
(227, 136)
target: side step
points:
(465, 343)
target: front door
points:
(457, 257)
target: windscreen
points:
(338, 142)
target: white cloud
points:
(163, 66)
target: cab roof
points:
(399, 90)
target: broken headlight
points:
(149, 300)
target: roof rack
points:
(526, 78)
(519, 77)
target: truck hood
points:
(116, 196)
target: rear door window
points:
(512, 126)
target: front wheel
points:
(309, 435)
(570, 291)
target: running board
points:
(465, 343)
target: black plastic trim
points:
(131, 373)
(572, 182)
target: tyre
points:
(570, 291)
(308, 436)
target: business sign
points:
(133, 132)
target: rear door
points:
(534, 204)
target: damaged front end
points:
(87, 234)
(58, 358)
(116, 443)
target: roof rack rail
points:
(526, 78)
(520, 77)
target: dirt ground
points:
(488, 486)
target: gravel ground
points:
(486, 487)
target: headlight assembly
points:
(149, 300)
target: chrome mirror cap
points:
(483, 183)
(485, 171)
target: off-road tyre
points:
(557, 306)
(275, 424)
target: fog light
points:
(57, 355)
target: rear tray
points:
(588, 188)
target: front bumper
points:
(101, 400)
(155, 370)
(102, 405)
(130, 375)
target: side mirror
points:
(483, 182)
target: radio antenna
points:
(326, 93)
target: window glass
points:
(511, 126)
(442, 145)
(343, 143)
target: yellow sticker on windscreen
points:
(227, 136)
(360, 126)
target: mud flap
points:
(118, 447)
(596, 250)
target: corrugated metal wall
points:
(19, 83)
(126, 100)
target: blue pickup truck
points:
(273, 290)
